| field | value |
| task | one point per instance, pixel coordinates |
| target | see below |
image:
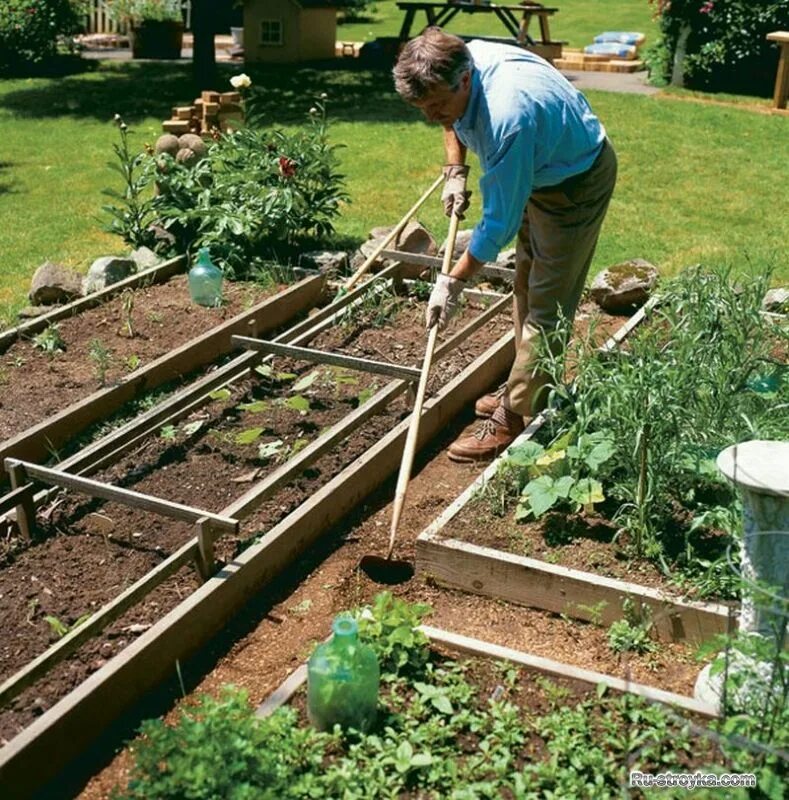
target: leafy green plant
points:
(60, 628)
(725, 42)
(560, 475)
(101, 358)
(256, 192)
(132, 214)
(49, 340)
(631, 634)
(389, 626)
(673, 397)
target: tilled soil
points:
(206, 466)
(35, 384)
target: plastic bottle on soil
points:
(342, 680)
(205, 281)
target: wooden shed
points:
(288, 31)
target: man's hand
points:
(454, 195)
(443, 302)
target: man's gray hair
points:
(430, 60)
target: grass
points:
(696, 181)
(576, 22)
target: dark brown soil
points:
(274, 635)
(198, 464)
(35, 384)
(578, 541)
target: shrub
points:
(29, 31)
(256, 194)
(724, 41)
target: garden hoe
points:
(392, 236)
(387, 570)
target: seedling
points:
(631, 633)
(127, 301)
(132, 362)
(60, 628)
(49, 340)
(101, 358)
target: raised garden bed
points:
(497, 723)
(133, 343)
(579, 559)
(284, 525)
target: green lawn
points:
(697, 182)
(577, 21)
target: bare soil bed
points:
(35, 384)
(90, 551)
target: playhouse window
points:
(271, 31)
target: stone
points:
(461, 243)
(107, 270)
(325, 261)
(54, 283)
(144, 258)
(193, 142)
(31, 312)
(506, 259)
(168, 143)
(625, 287)
(414, 238)
(776, 301)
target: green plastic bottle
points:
(342, 680)
(205, 281)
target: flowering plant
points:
(29, 30)
(723, 42)
(136, 11)
(258, 191)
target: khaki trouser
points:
(555, 246)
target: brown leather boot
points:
(492, 437)
(488, 403)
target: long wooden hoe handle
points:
(396, 231)
(413, 430)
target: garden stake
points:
(385, 570)
(396, 231)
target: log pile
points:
(209, 113)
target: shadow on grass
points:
(6, 188)
(137, 90)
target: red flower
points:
(707, 7)
(287, 168)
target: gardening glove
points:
(454, 195)
(443, 302)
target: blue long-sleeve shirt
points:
(530, 129)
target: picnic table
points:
(516, 19)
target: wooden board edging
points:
(36, 442)
(558, 669)
(561, 590)
(45, 747)
(158, 274)
(527, 581)
(482, 649)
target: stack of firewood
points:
(211, 112)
